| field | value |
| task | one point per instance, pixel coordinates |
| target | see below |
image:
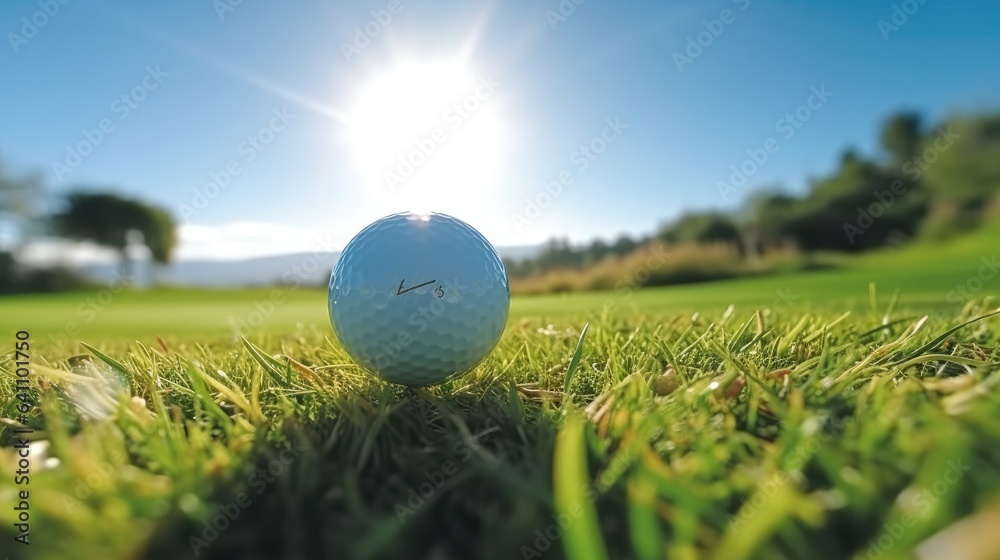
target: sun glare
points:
(427, 136)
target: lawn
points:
(800, 416)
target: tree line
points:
(925, 181)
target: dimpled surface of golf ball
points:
(418, 298)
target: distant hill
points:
(253, 272)
(304, 268)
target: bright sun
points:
(427, 136)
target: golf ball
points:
(418, 298)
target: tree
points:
(20, 199)
(857, 208)
(705, 227)
(19, 196)
(107, 219)
(763, 222)
(20, 207)
(596, 251)
(966, 165)
(624, 245)
(901, 136)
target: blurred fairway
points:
(926, 275)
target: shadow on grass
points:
(415, 478)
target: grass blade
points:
(574, 494)
(115, 364)
(574, 362)
(932, 345)
(892, 307)
(886, 327)
(273, 367)
(205, 399)
(647, 540)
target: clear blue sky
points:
(555, 84)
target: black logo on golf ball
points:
(439, 291)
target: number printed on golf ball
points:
(417, 298)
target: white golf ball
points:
(418, 298)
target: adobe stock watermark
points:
(31, 25)
(249, 150)
(900, 16)
(292, 279)
(547, 537)
(435, 480)
(784, 300)
(820, 433)
(581, 159)
(223, 7)
(914, 170)
(258, 482)
(787, 126)
(88, 311)
(454, 117)
(563, 11)
(918, 164)
(714, 28)
(122, 106)
(967, 290)
(98, 476)
(625, 288)
(921, 502)
(366, 33)
(439, 296)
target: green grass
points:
(808, 420)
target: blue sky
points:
(312, 131)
